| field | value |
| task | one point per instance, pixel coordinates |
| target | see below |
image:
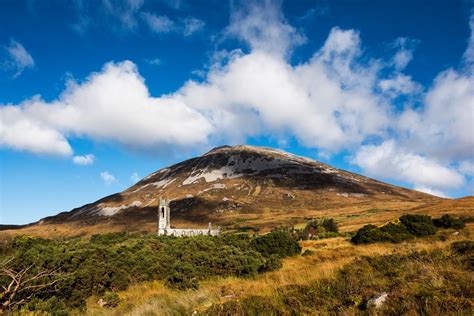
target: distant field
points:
(349, 218)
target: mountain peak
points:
(229, 181)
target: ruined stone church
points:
(164, 227)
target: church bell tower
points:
(163, 216)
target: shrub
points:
(395, 232)
(448, 221)
(276, 243)
(418, 225)
(308, 252)
(463, 247)
(368, 234)
(389, 233)
(330, 225)
(111, 262)
(271, 264)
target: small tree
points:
(20, 284)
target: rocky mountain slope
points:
(244, 186)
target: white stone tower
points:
(163, 217)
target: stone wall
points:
(188, 232)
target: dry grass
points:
(153, 298)
(350, 217)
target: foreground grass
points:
(225, 295)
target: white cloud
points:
(192, 25)
(467, 168)
(398, 85)
(111, 105)
(108, 178)
(158, 23)
(469, 53)
(330, 92)
(404, 54)
(335, 100)
(134, 178)
(263, 27)
(21, 132)
(389, 161)
(431, 191)
(84, 160)
(124, 11)
(444, 127)
(18, 58)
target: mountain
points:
(245, 187)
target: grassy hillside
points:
(350, 217)
(423, 266)
(422, 276)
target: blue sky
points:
(97, 94)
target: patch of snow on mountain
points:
(164, 170)
(164, 182)
(329, 170)
(215, 186)
(111, 210)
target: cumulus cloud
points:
(444, 127)
(467, 168)
(389, 161)
(85, 160)
(398, 85)
(18, 58)
(113, 104)
(330, 92)
(263, 27)
(431, 138)
(23, 132)
(336, 100)
(108, 178)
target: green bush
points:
(395, 232)
(368, 234)
(388, 233)
(409, 227)
(276, 243)
(448, 221)
(330, 225)
(316, 229)
(111, 262)
(271, 264)
(418, 225)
